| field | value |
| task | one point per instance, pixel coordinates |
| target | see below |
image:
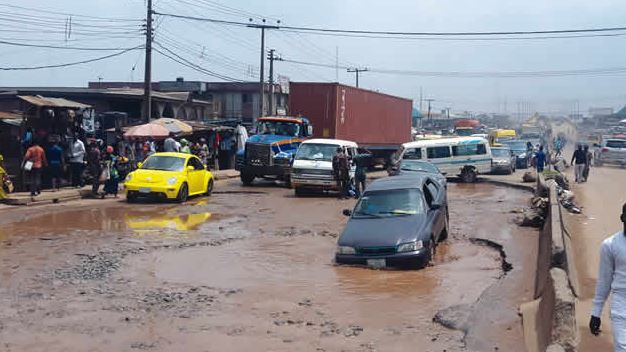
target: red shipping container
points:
(373, 120)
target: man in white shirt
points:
(612, 279)
(76, 155)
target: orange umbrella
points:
(147, 130)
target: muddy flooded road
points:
(253, 269)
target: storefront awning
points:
(39, 100)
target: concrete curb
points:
(552, 320)
(225, 174)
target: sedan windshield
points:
(400, 202)
(412, 165)
(164, 163)
(500, 152)
(311, 151)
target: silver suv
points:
(612, 151)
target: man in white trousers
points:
(612, 279)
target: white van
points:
(313, 164)
(460, 156)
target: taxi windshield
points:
(164, 163)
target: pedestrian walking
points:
(185, 146)
(612, 279)
(203, 151)
(540, 159)
(95, 169)
(362, 161)
(110, 173)
(341, 170)
(34, 162)
(169, 145)
(589, 157)
(581, 159)
(76, 154)
(56, 164)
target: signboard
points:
(283, 82)
(89, 124)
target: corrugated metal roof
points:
(14, 115)
(39, 100)
(12, 122)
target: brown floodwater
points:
(239, 271)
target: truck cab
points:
(270, 152)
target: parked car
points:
(312, 168)
(466, 157)
(611, 151)
(408, 166)
(173, 176)
(503, 160)
(397, 223)
(520, 150)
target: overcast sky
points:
(234, 51)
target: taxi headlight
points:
(172, 181)
(129, 177)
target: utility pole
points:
(272, 57)
(421, 99)
(337, 64)
(429, 107)
(147, 83)
(262, 27)
(357, 71)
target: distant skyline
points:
(234, 51)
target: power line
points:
(441, 38)
(70, 63)
(104, 19)
(478, 74)
(181, 60)
(399, 33)
(62, 47)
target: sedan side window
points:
(433, 189)
(428, 196)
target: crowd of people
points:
(96, 163)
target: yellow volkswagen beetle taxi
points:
(174, 176)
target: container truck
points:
(378, 122)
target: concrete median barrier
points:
(550, 320)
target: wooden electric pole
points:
(147, 85)
(272, 57)
(357, 71)
(263, 27)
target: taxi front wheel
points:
(183, 193)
